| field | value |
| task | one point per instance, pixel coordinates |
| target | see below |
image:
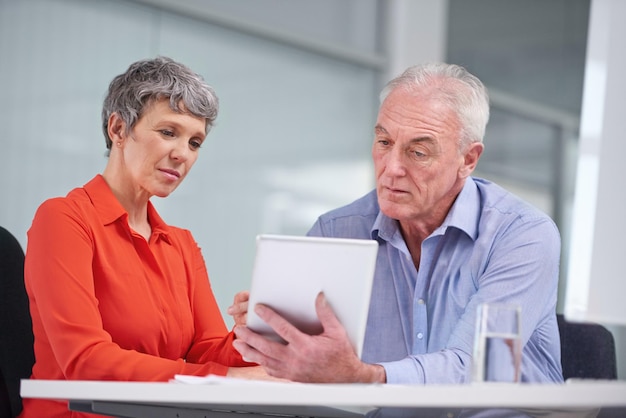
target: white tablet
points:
(290, 271)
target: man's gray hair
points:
(463, 92)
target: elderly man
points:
(447, 243)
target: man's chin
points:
(391, 209)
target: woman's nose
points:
(180, 151)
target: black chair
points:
(16, 334)
(587, 351)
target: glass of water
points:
(498, 343)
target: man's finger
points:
(248, 353)
(325, 312)
(280, 325)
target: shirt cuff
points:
(405, 371)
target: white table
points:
(155, 400)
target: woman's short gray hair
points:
(462, 91)
(151, 80)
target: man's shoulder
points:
(365, 206)
(512, 213)
(354, 220)
(505, 201)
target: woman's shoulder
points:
(74, 199)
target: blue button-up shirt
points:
(492, 247)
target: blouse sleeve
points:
(210, 343)
(66, 317)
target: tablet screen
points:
(290, 271)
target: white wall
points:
(292, 138)
(298, 92)
(596, 283)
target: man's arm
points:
(324, 358)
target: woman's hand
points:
(252, 373)
(239, 309)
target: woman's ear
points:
(470, 158)
(116, 128)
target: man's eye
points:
(166, 132)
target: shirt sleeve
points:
(522, 268)
(59, 277)
(209, 345)
(515, 262)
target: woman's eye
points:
(195, 144)
(167, 132)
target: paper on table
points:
(212, 379)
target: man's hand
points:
(239, 309)
(324, 358)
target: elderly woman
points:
(115, 292)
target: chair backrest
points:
(16, 333)
(587, 351)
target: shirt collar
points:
(110, 210)
(465, 211)
(463, 215)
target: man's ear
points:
(470, 158)
(116, 128)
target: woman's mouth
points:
(170, 174)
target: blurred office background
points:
(298, 82)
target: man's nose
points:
(395, 163)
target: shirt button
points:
(420, 301)
(420, 335)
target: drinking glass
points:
(498, 343)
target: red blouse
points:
(107, 305)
